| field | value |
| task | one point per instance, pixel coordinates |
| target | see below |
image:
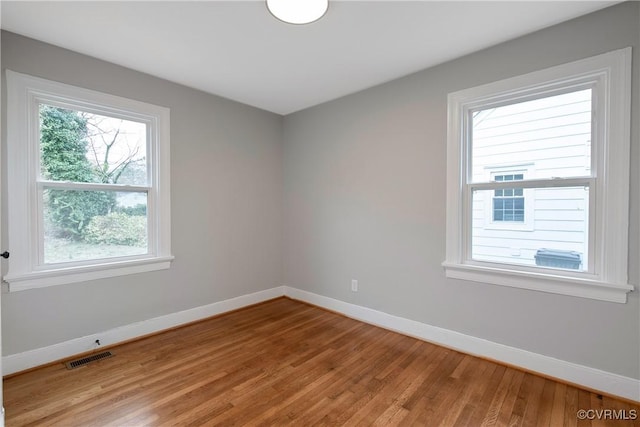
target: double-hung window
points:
(538, 180)
(88, 180)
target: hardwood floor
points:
(287, 363)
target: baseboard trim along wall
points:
(591, 378)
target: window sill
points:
(41, 279)
(543, 282)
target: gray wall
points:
(364, 198)
(226, 199)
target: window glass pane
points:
(79, 146)
(556, 238)
(552, 134)
(518, 203)
(86, 225)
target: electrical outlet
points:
(354, 285)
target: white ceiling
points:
(237, 50)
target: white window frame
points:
(27, 269)
(609, 75)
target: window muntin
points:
(597, 165)
(91, 172)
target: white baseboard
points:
(606, 382)
(21, 361)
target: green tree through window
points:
(63, 145)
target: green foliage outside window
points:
(117, 228)
(63, 145)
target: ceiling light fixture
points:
(298, 11)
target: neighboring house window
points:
(508, 209)
(508, 203)
(538, 180)
(88, 180)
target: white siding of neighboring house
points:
(545, 138)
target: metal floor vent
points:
(85, 360)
